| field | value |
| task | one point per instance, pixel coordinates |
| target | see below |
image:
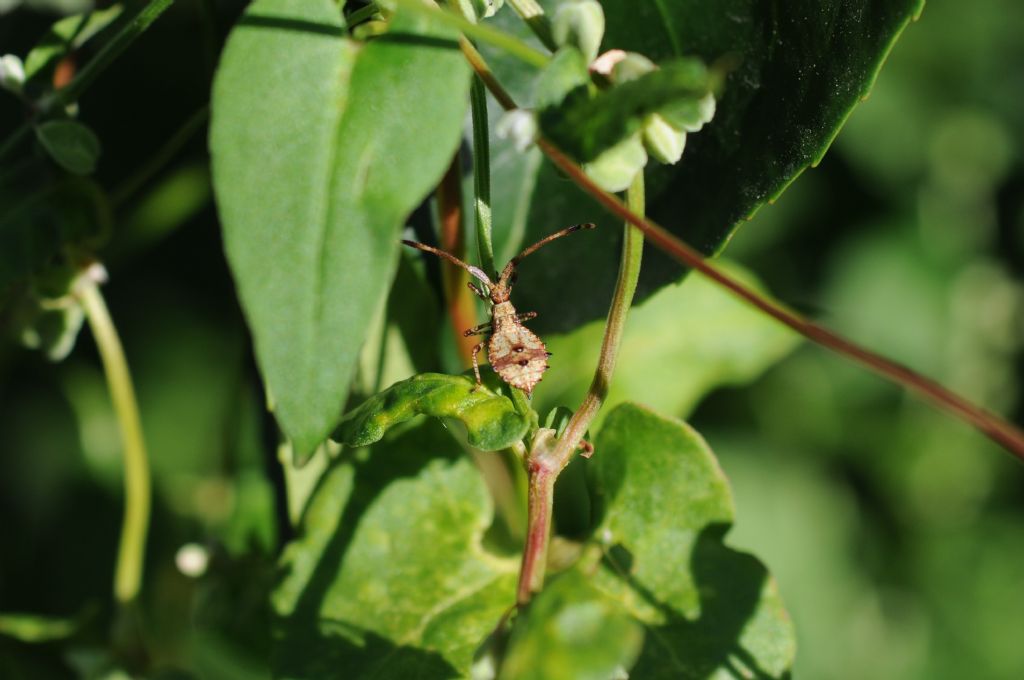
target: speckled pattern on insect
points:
(514, 351)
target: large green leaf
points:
(678, 345)
(799, 68)
(321, 147)
(491, 420)
(711, 612)
(388, 577)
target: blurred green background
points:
(896, 534)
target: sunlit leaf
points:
(321, 148)
(571, 630)
(665, 509)
(491, 420)
(388, 577)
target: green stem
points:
(544, 462)
(514, 46)
(106, 56)
(533, 15)
(362, 14)
(622, 299)
(131, 552)
(482, 175)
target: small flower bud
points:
(12, 73)
(691, 115)
(520, 126)
(615, 169)
(580, 23)
(662, 141)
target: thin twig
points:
(135, 27)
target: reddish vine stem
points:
(998, 430)
(540, 500)
(461, 307)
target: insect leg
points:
(526, 316)
(477, 330)
(476, 363)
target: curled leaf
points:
(491, 420)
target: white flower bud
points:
(520, 126)
(12, 73)
(580, 23)
(615, 169)
(664, 142)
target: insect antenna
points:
(508, 273)
(475, 271)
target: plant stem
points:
(622, 299)
(461, 304)
(362, 14)
(514, 46)
(540, 500)
(995, 428)
(533, 15)
(131, 552)
(484, 73)
(482, 176)
(545, 462)
(135, 27)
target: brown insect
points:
(514, 352)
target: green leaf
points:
(678, 346)
(321, 148)
(65, 36)
(801, 68)
(491, 420)
(709, 609)
(388, 578)
(585, 126)
(71, 144)
(571, 630)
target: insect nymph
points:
(514, 352)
